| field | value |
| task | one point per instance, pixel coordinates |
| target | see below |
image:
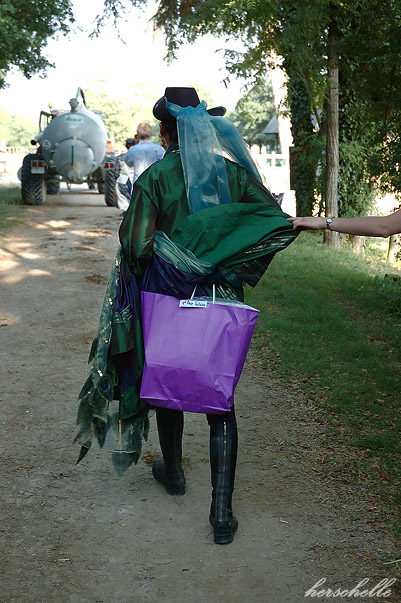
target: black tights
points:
(226, 417)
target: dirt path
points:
(74, 534)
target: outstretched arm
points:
(370, 226)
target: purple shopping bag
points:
(194, 351)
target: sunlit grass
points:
(11, 207)
(331, 322)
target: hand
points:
(308, 223)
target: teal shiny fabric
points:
(159, 202)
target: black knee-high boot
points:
(168, 471)
(223, 459)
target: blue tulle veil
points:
(204, 140)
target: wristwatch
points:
(329, 221)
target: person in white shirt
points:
(124, 176)
(143, 154)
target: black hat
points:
(130, 141)
(184, 97)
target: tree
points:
(16, 130)
(371, 80)
(302, 32)
(317, 39)
(305, 152)
(295, 30)
(25, 27)
(21, 131)
(253, 112)
(332, 132)
(122, 115)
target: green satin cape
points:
(240, 239)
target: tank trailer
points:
(72, 147)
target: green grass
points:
(11, 208)
(331, 322)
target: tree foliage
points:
(371, 90)
(25, 27)
(369, 46)
(16, 130)
(123, 114)
(253, 112)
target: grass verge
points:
(11, 207)
(331, 322)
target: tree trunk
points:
(392, 248)
(302, 169)
(332, 134)
(358, 244)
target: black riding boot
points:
(223, 459)
(168, 471)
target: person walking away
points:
(190, 182)
(196, 218)
(142, 155)
(124, 175)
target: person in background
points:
(124, 175)
(369, 226)
(143, 154)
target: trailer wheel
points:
(100, 188)
(110, 195)
(53, 188)
(33, 186)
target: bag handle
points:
(214, 293)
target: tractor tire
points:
(110, 195)
(53, 188)
(33, 186)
